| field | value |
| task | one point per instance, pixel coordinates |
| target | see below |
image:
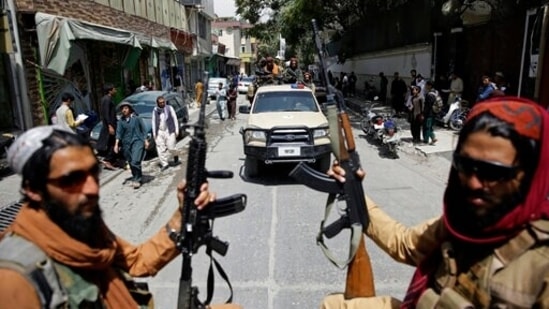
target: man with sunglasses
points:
(490, 248)
(58, 253)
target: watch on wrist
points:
(173, 234)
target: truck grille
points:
(279, 136)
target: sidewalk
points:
(446, 138)
(11, 183)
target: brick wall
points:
(94, 12)
(84, 10)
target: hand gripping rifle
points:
(360, 281)
(197, 226)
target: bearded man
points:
(489, 248)
(59, 253)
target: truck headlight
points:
(318, 133)
(255, 136)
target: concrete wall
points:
(402, 60)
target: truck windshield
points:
(285, 101)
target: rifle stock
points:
(359, 282)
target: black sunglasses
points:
(75, 178)
(484, 170)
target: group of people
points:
(128, 135)
(488, 248)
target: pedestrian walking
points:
(59, 253)
(456, 88)
(489, 247)
(105, 142)
(221, 101)
(165, 129)
(199, 92)
(232, 96)
(131, 138)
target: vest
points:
(511, 277)
(57, 285)
(170, 124)
(61, 114)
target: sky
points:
(224, 8)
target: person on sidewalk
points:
(456, 88)
(431, 98)
(64, 114)
(199, 91)
(59, 253)
(232, 95)
(131, 134)
(416, 114)
(398, 94)
(165, 129)
(489, 247)
(107, 113)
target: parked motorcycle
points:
(453, 115)
(382, 129)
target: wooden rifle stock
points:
(360, 275)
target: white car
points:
(285, 124)
(244, 83)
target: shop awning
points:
(155, 42)
(233, 61)
(55, 36)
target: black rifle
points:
(196, 225)
(355, 215)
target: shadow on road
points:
(270, 175)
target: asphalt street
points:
(273, 260)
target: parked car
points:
(213, 85)
(143, 104)
(244, 83)
(285, 125)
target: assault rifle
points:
(197, 225)
(360, 282)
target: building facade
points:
(81, 47)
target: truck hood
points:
(269, 120)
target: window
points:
(285, 102)
(243, 48)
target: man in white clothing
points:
(165, 128)
(64, 114)
(456, 87)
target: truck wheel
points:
(251, 167)
(324, 163)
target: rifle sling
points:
(356, 233)
(211, 279)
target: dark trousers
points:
(415, 128)
(428, 132)
(134, 154)
(232, 108)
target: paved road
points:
(273, 261)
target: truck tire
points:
(324, 163)
(251, 167)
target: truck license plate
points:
(289, 151)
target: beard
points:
(79, 227)
(468, 218)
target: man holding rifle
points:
(489, 249)
(58, 252)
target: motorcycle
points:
(453, 116)
(372, 123)
(383, 129)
